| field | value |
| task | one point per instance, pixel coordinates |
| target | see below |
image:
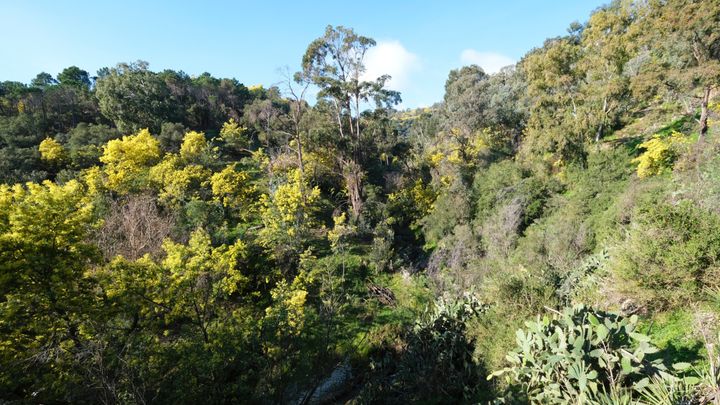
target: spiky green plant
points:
(578, 354)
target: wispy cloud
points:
(491, 62)
(391, 58)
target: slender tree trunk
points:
(353, 171)
(297, 116)
(515, 143)
(353, 183)
(338, 117)
(351, 125)
(301, 165)
(601, 127)
(704, 112)
(357, 121)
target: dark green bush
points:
(437, 364)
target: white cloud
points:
(491, 62)
(391, 58)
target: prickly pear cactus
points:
(572, 356)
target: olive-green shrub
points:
(671, 254)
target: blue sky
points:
(418, 41)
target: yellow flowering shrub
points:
(287, 209)
(261, 159)
(454, 157)
(45, 251)
(234, 135)
(423, 196)
(714, 107)
(288, 215)
(199, 261)
(287, 313)
(340, 232)
(51, 150)
(43, 234)
(94, 180)
(458, 149)
(660, 153)
(435, 158)
(176, 182)
(318, 163)
(193, 146)
(185, 184)
(128, 160)
(232, 189)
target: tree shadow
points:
(681, 354)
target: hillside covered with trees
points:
(546, 234)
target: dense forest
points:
(546, 234)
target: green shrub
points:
(514, 295)
(451, 208)
(520, 292)
(671, 254)
(593, 190)
(504, 183)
